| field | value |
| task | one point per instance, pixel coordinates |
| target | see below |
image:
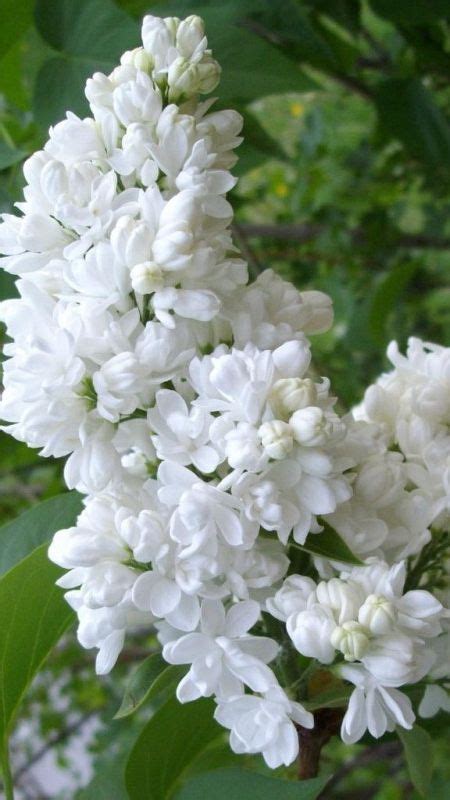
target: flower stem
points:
(327, 722)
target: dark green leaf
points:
(21, 536)
(170, 741)
(140, 684)
(241, 784)
(328, 544)
(418, 747)
(408, 112)
(385, 297)
(90, 36)
(412, 13)
(33, 616)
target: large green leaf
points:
(33, 616)
(418, 747)
(408, 112)
(328, 544)
(21, 536)
(241, 784)
(170, 741)
(90, 36)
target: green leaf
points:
(10, 155)
(418, 747)
(412, 13)
(107, 784)
(22, 535)
(241, 784)
(33, 616)
(90, 36)
(328, 544)
(170, 741)
(17, 15)
(408, 112)
(140, 684)
(385, 297)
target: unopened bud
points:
(147, 277)
(351, 639)
(377, 614)
(276, 438)
(290, 394)
(310, 426)
(138, 58)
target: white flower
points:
(373, 707)
(276, 438)
(223, 655)
(264, 725)
(183, 434)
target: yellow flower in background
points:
(296, 109)
(281, 189)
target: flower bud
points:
(190, 35)
(138, 58)
(186, 78)
(310, 426)
(147, 277)
(276, 438)
(290, 394)
(377, 614)
(351, 639)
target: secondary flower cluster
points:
(208, 449)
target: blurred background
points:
(344, 186)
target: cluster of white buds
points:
(192, 420)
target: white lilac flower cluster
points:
(207, 448)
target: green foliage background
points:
(345, 187)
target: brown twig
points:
(327, 722)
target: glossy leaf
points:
(170, 741)
(33, 616)
(22, 535)
(418, 747)
(237, 784)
